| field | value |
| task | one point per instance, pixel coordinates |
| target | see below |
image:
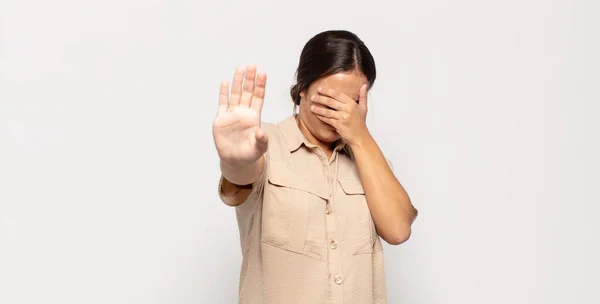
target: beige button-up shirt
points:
(306, 232)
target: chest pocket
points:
(294, 212)
(361, 233)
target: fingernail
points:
(312, 108)
(313, 98)
(320, 89)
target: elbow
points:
(398, 236)
(402, 230)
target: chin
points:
(328, 134)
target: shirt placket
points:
(330, 170)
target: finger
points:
(327, 101)
(262, 140)
(335, 94)
(325, 112)
(236, 88)
(259, 92)
(362, 96)
(248, 86)
(223, 97)
(327, 120)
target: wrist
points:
(361, 140)
(241, 174)
(236, 164)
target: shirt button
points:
(327, 210)
(338, 279)
(333, 245)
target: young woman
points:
(313, 194)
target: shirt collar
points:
(291, 132)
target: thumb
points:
(362, 97)
(262, 140)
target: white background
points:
(108, 171)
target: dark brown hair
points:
(328, 53)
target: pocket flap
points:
(282, 175)
(352, 185)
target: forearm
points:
(390, 205)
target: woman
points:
(314, 193)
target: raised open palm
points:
(236, 130)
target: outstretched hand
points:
(236, 129)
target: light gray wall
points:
(108, 172)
